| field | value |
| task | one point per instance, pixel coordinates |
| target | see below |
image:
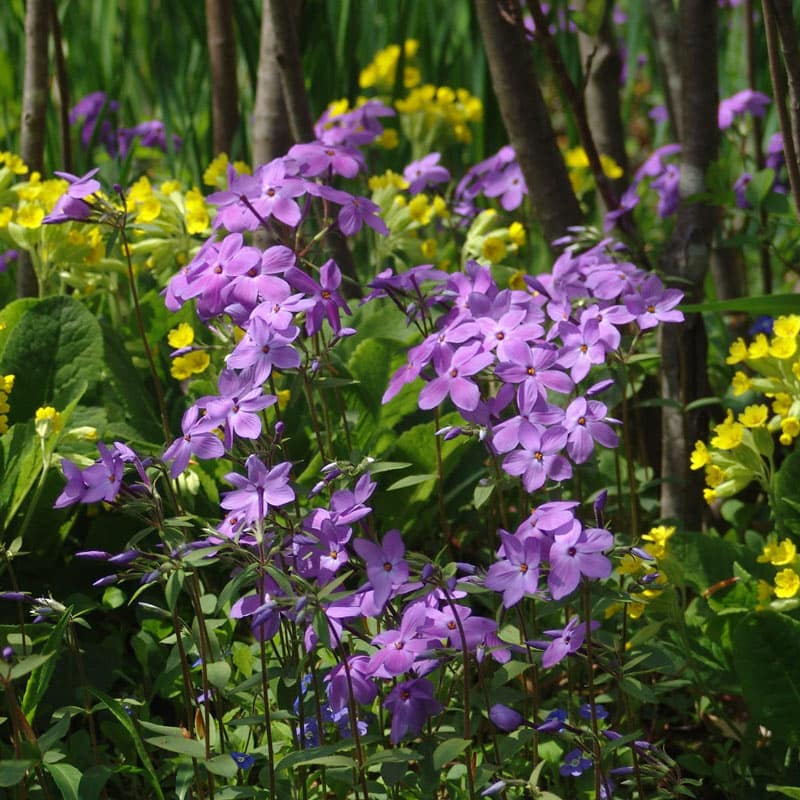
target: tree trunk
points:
(526, 117)
(664, 22)
(34, 108)
(224, 89)
(271, 134)
(684, 347)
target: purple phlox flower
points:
(405, 282)
(667, 187)
(261, 609)
(627, 202)
(237, 406)
(443, 625)
(775, 158)
(400, 648)
(90, 109)
(654, 164)
(386, 567)
(461, 286)
(453, 373)
(325, 294)
(355, 127)
(493, 788)
(411, 703)
(316, 158)
(583, 346)
(359, 210)
(555, 722)
(262, 489)
(242, 760)
(533, 365)
(585, 711)
(539, 458)
(197, 440)
(321, 553)
(72, 205)
(425, 172)
(654, 304)
(739, 187)
(566, 640)
(535, 413)
(348, 506)
(448, 338)
(101, 481)
(150, 133)
(510, 327)
(505, 718)
(575, 764)
(7, 257)
(277, 186)
(747, 101)
(262, 348)
(508, 184)
(83, 186)
(585, 423)
(364, 688)
(575, 554)
(517, 574)
(658, 114)
(609, 319)
(609, 280)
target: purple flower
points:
(197, 440)
(565, 641)
(402, 647)
(575, 764)
(584, 421)
(243, 760)
(411, 703)
(539, 458)
(739, 187)
(327, 302)
(505, 718)
(6, 258)
(359, 210)
(453, 371)
(654, 304)
(578, 553)
(364, 688)
(517, 574)
(261, 489)
(263, 347)
(386, 567)
(316, 158)
(747, 101)
(425, 172)
(667, 186)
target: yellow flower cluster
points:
(13, 163)
(580, 175)
(36, 199)
(490, 244)
(48, 421)
(196, 214)
(442, 106)
(192, 363)
(6, 385)
(216, 173)
(381, 72)
(782, 554)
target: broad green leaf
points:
(786, 791)
(55, 349)
(369, 365)
(10, 315)
(93, 781)
(318, 756)
(67, 778)
(448, 751)
(410, 480)
(218, 673)
(43, 674)
(399, 755)
(222, 765)
(590, 18)
(772, 304)
(787, 495)
(177, 744)
(766, 652)
(124, 720)
(26, 665)
(12, 772)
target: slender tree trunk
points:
(602, 68)
(664, 22)
(271, 134)
(62, 81)
(684, 347)
(526, 117)
(224, 90)
(34, 107)
(787, 33)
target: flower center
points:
(265, 349)
(573, 551)
(387, 566)
(500, 336)
(405, 694)
(333, 554)
(187, 437)
(252, 272)
(398, 645)
(330, 152)
(584, 348)
(651, 309)
(451, 625)
(270, 193)
(326, 295)
(523, 568)
(218, 270)
(581, 420)
(538, 455)
(453, 373)
(531, 371)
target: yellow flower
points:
(759, 347)
(781, 404)
(14, 163)
(411, 77)
(737, 352)
(388, 140)
(783, 553)
(182, 336)
(410, 47)
(149, 210)
(610, 167)
(3, 424)
(635, 610)
(763, 591)
(428, 248)
(714, 476)
(440, 208)
(140, 191)
(386, 180)
(517, 281)
(787, 583)
(754, 416)
(242, 167)
(786, 327)
(30, 216)
(6, 214)
(7, 383)
(658, 537)
(494, 249)
(728, 434)
(630, 565)
(284, 395)
(700, 456)
(216, 171)
(576, 158)
(516, 233)
(48, 421)
(190, 364)
(709, 495)
(338, 107)
(741, 383)
(420, 209)
(168, 187)
(400, 201)
(767, 552)
(790, 428)
(783, 347)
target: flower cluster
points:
(6, 385)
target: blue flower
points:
(243, 760)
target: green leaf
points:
(766, 652)
(12, 772)
(27, 665)
(93, 781)
(218, 673)
(448, 751)
(787, 494)
(369, 365)
(410, 480)
(222, 765)
(772, 304)
(324, 756)
(55, 349)
(786, 791)
(177, 744)
(397, 755)
(11, 315)
(124, 720)
(760, 186)
(590, 18)
(67, 778)
(43, 674)
(482, 494)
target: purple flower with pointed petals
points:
(197, 440)
(505, 718)
(539, 458)
(262, 348)
(425, 172)
(584, 422)
(575, 554)
(364, 688)
(453, 373)
(583, 347)
(667, 186)
(575, 764)
(739, 188)
(534, 365)
(654, 304)
(386, 567)
(747, 101)
(262, 489)
(400, 648)
(517, 574)
(359, 210)
(316, 158)
(411, 703)
(325, 295)
(565, 641)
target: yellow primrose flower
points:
(790, 428)
(14, 163)
(191, 364)
(709, 495)
(728, 434)
(140, 191)
(216, 171)
(7, 383)
(48, 421)
(787, 583)
(700, 457)
(714, 476)
(754, 416)
(630, 565)
(149, 210)
(658, 537)
(635, 610)
(783, 347)
(576, 158)
(759, 347)
(428, 248)
(30, 216)
(386, 180)
(411, 77)
(763, 591)
(168, 187)
(783, 553)
(420, 209)
(388, 140)
(6, 215)
(284, 396)
(440, 208)
(767, 551)
(242, 167)
(3, 424)
(516, 233)
(494, 249)
(517, 281)
(182, 336)
(781, 404)
(787, 327)
(610, 167)
(737, 352)
(741, 383)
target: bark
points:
(34, 107)
(526, 117)
(664, 22)
(62, 81)
(602, 70)
(271, 134)
(684, 347)
(224, 89)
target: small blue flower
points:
(574, 764)
(585, 711)
(243, 760)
